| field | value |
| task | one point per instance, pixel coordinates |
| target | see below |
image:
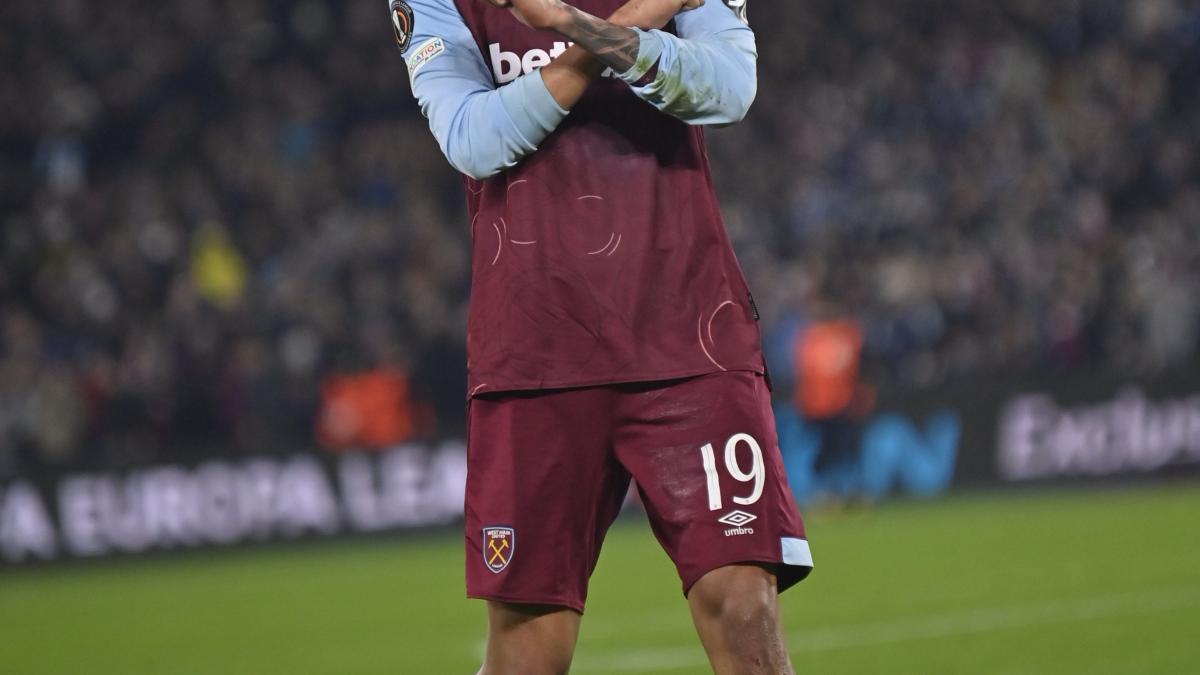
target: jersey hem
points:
(599, 382)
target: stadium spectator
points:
(370, 410)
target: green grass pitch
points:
(1082, 582)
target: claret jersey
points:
(598, 250)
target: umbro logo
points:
(737, 518)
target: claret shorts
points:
(548, 472)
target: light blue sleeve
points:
(706, 75)
(481, 129)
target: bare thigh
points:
(530, 639)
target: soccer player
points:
(611, 333)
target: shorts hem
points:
(576, 607)
(786, 576)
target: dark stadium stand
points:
(209, 208)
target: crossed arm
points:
(612, 43)
(705, 75)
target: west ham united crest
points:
(499, 543)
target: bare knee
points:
(736, 611)
(529, 640)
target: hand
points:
(537, 14)
(652, 14)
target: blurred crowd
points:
(1006, 186)
(217, 211)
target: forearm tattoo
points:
(615, 46)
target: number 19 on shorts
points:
(756, 474)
